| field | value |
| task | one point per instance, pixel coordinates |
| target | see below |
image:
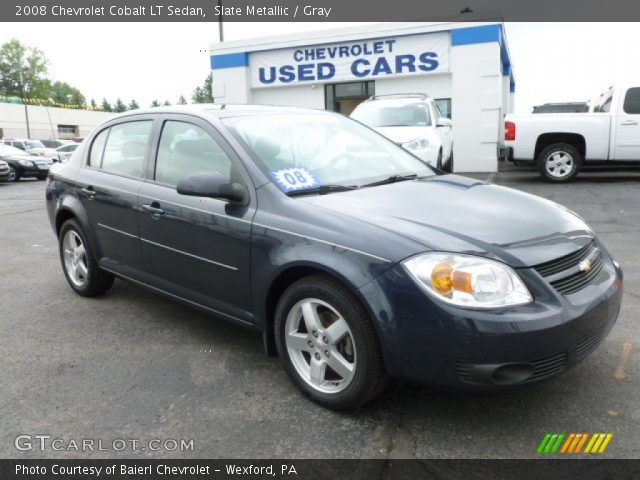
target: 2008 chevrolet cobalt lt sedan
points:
(355, 260)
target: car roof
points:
(221, 110)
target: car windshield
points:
(7, 151)
(309, 151)
(33, 144)
(382, 114)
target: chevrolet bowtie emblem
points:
(585, 265)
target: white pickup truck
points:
(560, 143)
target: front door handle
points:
(88, 192)
(629, 122)
(153, 209)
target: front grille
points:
(589, 345)
(565, 273)
(548, 366)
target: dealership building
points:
(42, 123)
(465, 67)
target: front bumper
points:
(39, 168)
(429, 341)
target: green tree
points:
(155, 103)
(182, 100)
(119, 106)
(133, 105)
(106, 106)
(22, 70)
(204, 94)
(62, 92)
(93, 105)
(167, 103)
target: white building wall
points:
(477, 102)
(436, 86)
(305, 96)
(44, 121)
(232, 85)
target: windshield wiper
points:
(392, 179)
(322, 189)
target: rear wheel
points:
(78, 262)
(559, 162)
(439, 161)
(327, 343)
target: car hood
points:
(405, 134)
(15, 158)
(457, 214)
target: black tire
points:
(439, 160)
(562, 150)
(41, 177)
(14, 174)
(449, 166)
(370, 377)
(98, 281)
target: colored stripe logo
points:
(573, 443)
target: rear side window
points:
(97, 147)
(632, 101)
(126, 148)
(186, 149)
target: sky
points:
(146, 61)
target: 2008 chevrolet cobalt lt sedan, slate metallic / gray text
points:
(354, 259)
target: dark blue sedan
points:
(354, 259)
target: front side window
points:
(18, 145)
(632, 101)
(375, 114)
(186, 149)
(126, 148)
(97, 148)
(311, 150)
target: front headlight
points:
(26, 163)
(417, 144)
(468, 281)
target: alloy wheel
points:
(320, 345)
(75, 258)
(559, 164)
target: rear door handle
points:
(152, 209)
(629, 122)
(88, 192)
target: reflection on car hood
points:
(458, 214)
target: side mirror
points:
(214, 185)
(444, 122)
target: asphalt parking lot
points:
(132, 365)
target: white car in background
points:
(33, 147)
(61, 153)
(413, 121)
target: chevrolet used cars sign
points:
(351, 61)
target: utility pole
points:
(220, 28)
(23, 90)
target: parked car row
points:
(16, 164)
(55, 149)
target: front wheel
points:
(14, 175)
(42, 177)
(327, 343)
(559, 162)
(79, 264)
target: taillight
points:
(509, 131)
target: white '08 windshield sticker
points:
(299, 178)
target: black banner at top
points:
(316, 10)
